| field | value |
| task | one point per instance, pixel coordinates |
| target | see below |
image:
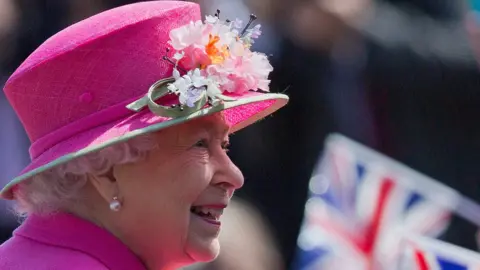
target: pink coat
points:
(65, 242)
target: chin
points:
(204, 252)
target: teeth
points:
(209, 212)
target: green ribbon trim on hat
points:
(158, 90)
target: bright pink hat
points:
(134, 70)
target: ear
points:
(106, 185)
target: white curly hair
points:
(56, 189)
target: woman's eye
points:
(202, 143)
(225, 146)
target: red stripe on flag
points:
(372, 230)
(338, 229)
(420, 260)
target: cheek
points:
(174, 185)
(192, 178)
(162, 188)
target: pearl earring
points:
(115, 204)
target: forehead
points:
(215, 125)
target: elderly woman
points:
(129, 114)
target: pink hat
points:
(133, 70)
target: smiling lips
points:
(210, 214)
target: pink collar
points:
(69, 231)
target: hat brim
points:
(239, 114)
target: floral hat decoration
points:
(211, 58)
(133, 70)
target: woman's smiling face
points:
(173, 199)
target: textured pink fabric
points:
(99, 118)
(115, 56)
(72, 91)
(62, 242)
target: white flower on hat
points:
(189, 35)
(238, 74)
(215, 57)
(224, 34)
(179, 55)
(189, 87)
(213, 89)
(211, 19)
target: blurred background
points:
(396, 75)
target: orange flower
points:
(217, 56)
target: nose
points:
(227, 174)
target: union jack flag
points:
(420, 253)
(360, 206)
